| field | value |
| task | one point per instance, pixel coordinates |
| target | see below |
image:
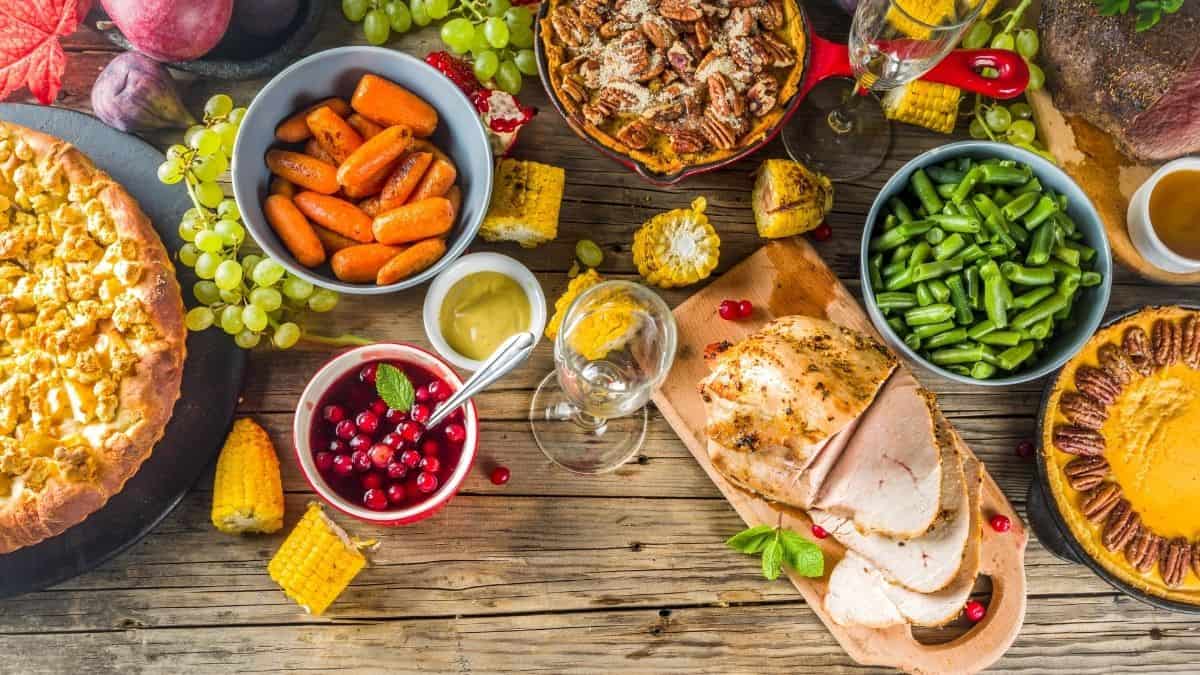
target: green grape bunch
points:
(248, 296)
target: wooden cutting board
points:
(788, 277)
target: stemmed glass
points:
(892, 42)
(615, 346)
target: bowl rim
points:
(242, 190)
(306, 409)
(482, 261)
(1040, 167)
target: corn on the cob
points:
(578, 285)
(247, 492)
(609, 325)
(525, 203)
(926, 104)
(316, 562)
(789, 199)
(677, 248)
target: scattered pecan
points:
(658, 31)
(1097, 384)
(1173, 564)
(680, 10)
(596, 114)
(629, 10)
(1164, 339)
(574, 89)
(1114, 362)
(614, 28)
(1123, 522)
(1190, 341)
(749, 53)
(740, 22)
(615, 99)
(1078, 441)
(779, 55)
(703, 32)
(770, 14)
(568, 26)
(1143, 550)
(719, 132)
(591, 13)
(669, 111)
(685, 142)
(723, 98)
(636, 134)
(762, 96)
(1137, 346)
(1083, 410)
(1086, 473)
(714, 9)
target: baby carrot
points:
(370, 206)
(295, 129)
(332, 241)
(361, 264)
(371, 186)
(388, 103)
(306, 172)
(294, 230)
(414, 221)
(412, 260)
(333, 133)
(404, 179)
(435, 182)
(336, 214)
(424, 145)
(365, 127)
(317, 151)
(282, 186)
(374, 157)
(454, 196)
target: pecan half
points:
(630, 10)
(1190, 341)
(1086, 473)
(717, 10)
(762, 95)
(719, 132)
(596, 114)
(1114, 362)
(748, 53)
(680, 10)
(1099, 502)
(1083, 410)
(1143, 550)
(685, 142)
(1122, 523)
(723, 97)
(591, 13)
(1078, 441)
(1137, 346)
(614, 28)
(1165, 342)
(658, 31)
(637, 134)
(703, 33)
(1097, 384)
(770, 14)
(1174, 562)
(574, 89)
(779, 54)
(568, 26)
(740, 22)
(1196, 559)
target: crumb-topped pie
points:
(674, 83)
(91, 337)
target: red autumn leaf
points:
(29, 50)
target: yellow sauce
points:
(1173, 208)
(481, 311)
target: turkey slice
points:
(888, 479)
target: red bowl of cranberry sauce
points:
(376, 463)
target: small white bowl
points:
(1141, 230)
(470, 264)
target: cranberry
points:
(360, 460)
(1000, 523)
(822, 232)
(361, 442)
(367, 374)
(427, 482)
(338, 447)
(371, 481)
(410, 458)
(430, 464)
(395, 493)
(422, 395)
(394, 416)
(1025, 449)
(379, 407)
(324, 461)
(419, 413)
(367, 421)
(375, 499)
(381, 455)
(728, 309)
(455, 433)
(342, 465)
(393, 440)
(412, 432)
(440, 391)
(975, 611)
(333, 413)
(819, 532)
(745, 309)
(396, 470)
(500, 475)
(345, 430)
(430, 448)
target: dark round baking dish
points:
(1047, 520)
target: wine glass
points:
(615, 346)
(892, 42)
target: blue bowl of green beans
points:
(986, 263)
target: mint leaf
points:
(772, 560)
(751, 540)
(393, 387)
(803, 556)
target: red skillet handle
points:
(960, 69)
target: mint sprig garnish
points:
(393, 387)
(780, 547)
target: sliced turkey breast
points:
(888, 479)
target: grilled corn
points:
(316, 562)
(578, 285)
(247, 491)
(789, 199)
(609, 325)
(926, 104)
(677, 248)
(525, 203)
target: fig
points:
(136, 93)
(264, 18)
(171, 30)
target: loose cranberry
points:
(361, 442)
(975, 611)
(822, 232)
(338, 447)
(381, 455)
(333, 413)
(440, 391)
(396, 470)
(395, 493)
(410, 458)
(419, 413)
(423, 396)
(745, 309)
(1000, 523)
(375, 499)
(393, 440)
(412, 432)
(371, 481)
(728, 309)
(455, 433)
(427, 482)
(342, 465)
(361, 460)
(500, 475)
(367, 421)
(379, 407)
(367, 374)
(430, 448)
(394, 416)
(819, 532)
(1025, 449)
(430, 464)
(324, 461)
(345, 430)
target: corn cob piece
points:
(525, 203)
(610, 325)
(677, 248)
(912, 17)
(247, 491)
(926, 104)
(316, 562)
(577, 286)
(789, 199)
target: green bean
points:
(941, 174)
(1020, 205)
(875, 267)
(913, 341)
(1069, 284)
(946, 339)
(899, 208)
(1018, 233)
(931, 329)
(966, 185)
(890, 221)
(935, 313)
(1001, 196)
(964, 164)
(944, 190)
(1027, 276)
(959, 369)
(895, 300)
(923, 188)
(974, 287)
(1033, 297)
(1062, 202)
(899, 234)
(1090, 279)
(1066, 223)
(1005, 175)
(1066, 254)
(923, 295)
(901, 253)
(995, 302)
(897, 325)
(935, 269)
(1041, 310)
(982, 370)
(892, 269)
(972, 253)
(993, 220)
(1012, 357)
(958, 298)
(958, 354)
(1042, 244)
(1001, 338)
(960, 223)
(949, 246)
(1034, 185)
(1042, 329)
(920, 253)
(1044, 208)
(1086, 253)
(981, 329)
(900, 281)
(935, 235)
(1065, 312)
(949, 209)
(939, 289)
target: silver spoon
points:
(511, 353)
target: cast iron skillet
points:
(1047, 520)
(822, 60)
(212, 377)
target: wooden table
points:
(553, 572)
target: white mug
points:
(1141, 230)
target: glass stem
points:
(841, 119)
(567, 411)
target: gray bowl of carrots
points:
(362, 170)
(986, 263)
